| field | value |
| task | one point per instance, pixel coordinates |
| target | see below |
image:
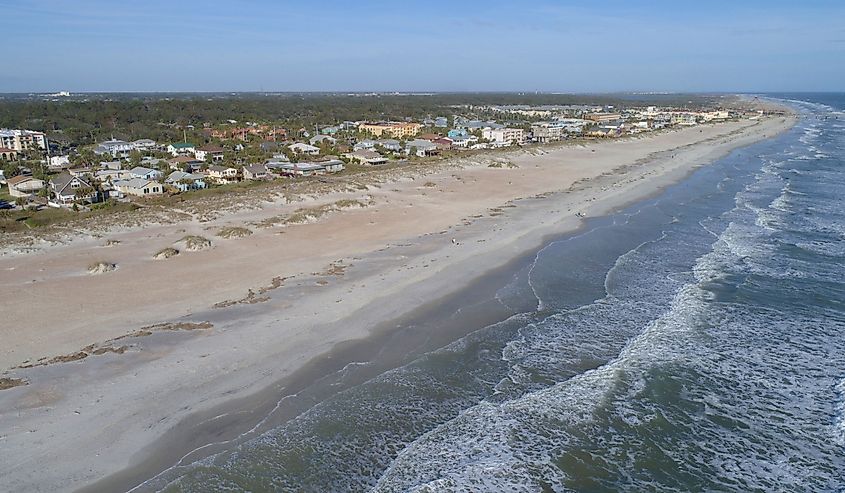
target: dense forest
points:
(86, 119)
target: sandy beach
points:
(146, 348)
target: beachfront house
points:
(420, 148)
(303, 148)
(185, 181)
(366, 157)
(443, 143)
(332, 165)
(146, 173)
(301, 169)
(181, 149)
(223, 174)
(215, 153)
(138, 187)
(255, 172)
(24, 186)
(66, 189)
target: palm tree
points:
(83, 193)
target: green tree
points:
(135, 158)
(10, 168)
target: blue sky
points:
(540, 45)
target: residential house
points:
(185, 163)
(364, 144)
(329, 130)
(320, 139)
(24, 186)
(223, 174)
(603, 131)
(443, 143)
(301, 169)
(457, 132)
(392, 145)
(111, 165)
(8, 154)
(57, 162)
(463, 141)
(110, 175)
(209, 151)
(572, 125)
(80, 171)
(332, 165)
(144, 144)
(441, 122)
(151, 162)
(67, 189)
(146, 173)
(181, 149)
(255, 172)
(421, 148)
(302, 148)
(367, 157)
(185, 181)
(472, 125)
(117, 149)
(139, 187)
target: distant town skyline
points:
(547, 46)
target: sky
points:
(435, 45)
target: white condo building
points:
(22, 140)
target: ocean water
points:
(692, 342)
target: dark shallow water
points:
(695, 341)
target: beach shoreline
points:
(347, 291)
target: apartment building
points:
(22, 140)
(504, 136)
(396, 130)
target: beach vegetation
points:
(234, 232)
